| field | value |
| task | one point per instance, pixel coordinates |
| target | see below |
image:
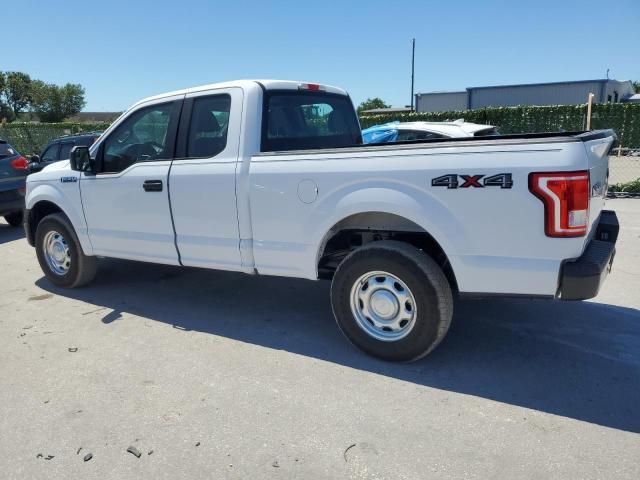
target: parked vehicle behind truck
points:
(271, 178)
(13, 171)
(406, 131)
(60, 148)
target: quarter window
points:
(208, 126)
(140, 138)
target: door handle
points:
(152, 185)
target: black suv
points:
(59, 149)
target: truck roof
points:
(249, 83)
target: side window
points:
(140, 138)
(51, 153)
(65, 150)
(208, 126)
(406, 135)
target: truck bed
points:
(509, 139)
(491, 235)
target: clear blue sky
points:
(123, 50)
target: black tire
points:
(14, 219)
(425, 281)
(82, 268)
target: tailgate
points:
(597, 146)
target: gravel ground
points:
(220, 375)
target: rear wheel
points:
(392, 301)
(60, 255)
(14, 219)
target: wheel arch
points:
(44, 200)
(358, 229)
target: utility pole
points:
(413, 60)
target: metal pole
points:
(589, 104)
(413, 58)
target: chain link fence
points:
(624, 167)
(31, 138)
(624, 173)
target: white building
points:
(556, 93)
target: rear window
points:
(307, 120)
(6, 150)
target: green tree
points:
(371, 103)
(17, 91)
(53, 103)
(6, 114)
(636, 85)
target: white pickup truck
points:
(271, 178)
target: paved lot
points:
(229, 376)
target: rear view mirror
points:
(35, 159)
(81, 161)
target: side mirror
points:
(81, 161)
(35, 158)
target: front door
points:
(126, 203)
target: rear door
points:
(202, 179)
(126, 204)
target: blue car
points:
(13, 173)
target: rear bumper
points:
(582, 278)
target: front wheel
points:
(392, 301)
(60, 255)
(14, 219)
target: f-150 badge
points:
(502, 180)
(68, 179)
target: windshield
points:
(306, 120)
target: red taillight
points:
(566, 201)
(19, 163)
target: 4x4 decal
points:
(502, 180)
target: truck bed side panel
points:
(494, 237)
